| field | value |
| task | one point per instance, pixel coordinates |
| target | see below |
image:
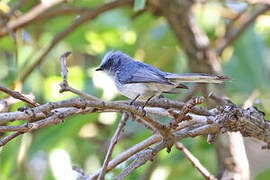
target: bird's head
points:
(111, 62)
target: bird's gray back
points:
(138, 72)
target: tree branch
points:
(8, 138)
(56, 118)
(64, 84)
(113, 142)
(127, 154)
(240, 26)
(18, 95)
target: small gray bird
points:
(137, 80)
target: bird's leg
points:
(143, 111)
(147, 101)
(133, 100)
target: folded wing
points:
(139, 73)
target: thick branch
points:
(250, 122)
(56, 118)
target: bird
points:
(140, 81)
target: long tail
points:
(197, 77)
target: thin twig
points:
(186, 109)
(64, 84)
(8, 138)
(244, 21)
(195, 162)
(229, 26)
(64, 70)
(18, 95)
(128, 153)
(249, 102)
(113, 142)
(217, 99)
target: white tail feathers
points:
(197, 77)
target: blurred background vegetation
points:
(82, 140)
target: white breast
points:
(145, 90)
(132, 90)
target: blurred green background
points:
(82, 140)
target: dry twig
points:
(113, 142)
(8, 138)
(18, 95)
(127, 154)
(64, 84)
(187, 108)
(243, 22)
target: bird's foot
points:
(143, 111)
(137, 106)
(133, 100)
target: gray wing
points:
(141, 73)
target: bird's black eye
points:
(108, 64)
(118, 63)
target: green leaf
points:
(139, 4)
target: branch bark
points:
(113, 142)
(19, 96)
(240, 26)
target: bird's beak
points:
(99, 69)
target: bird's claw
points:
(136, 106)
(143, 112)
